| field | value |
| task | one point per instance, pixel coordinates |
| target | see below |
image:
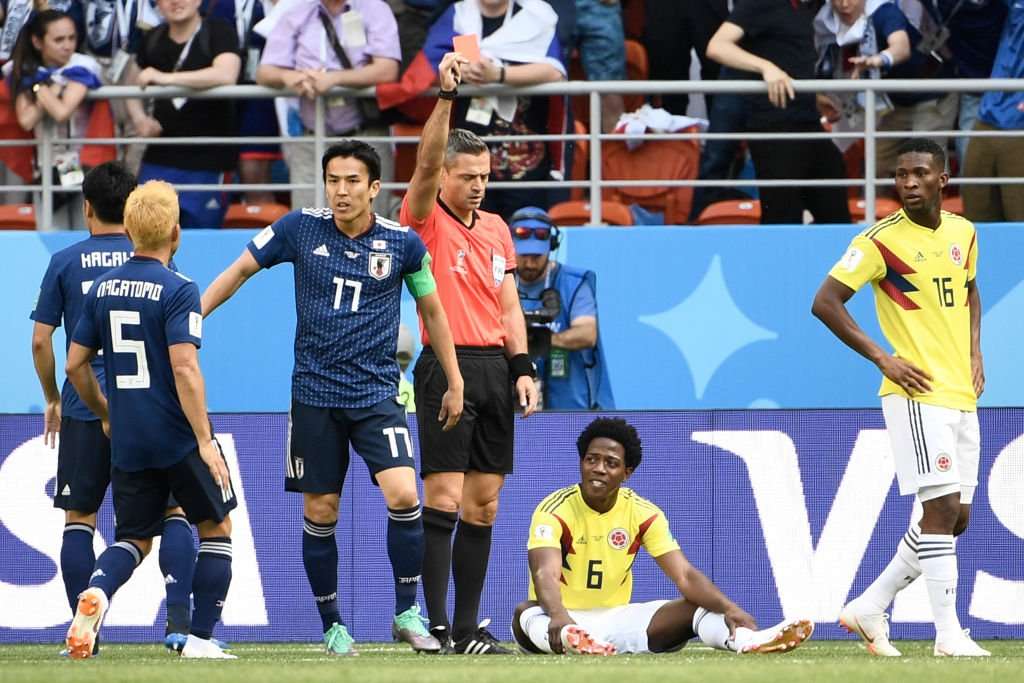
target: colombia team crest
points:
(380, 265)
(618, 538)
(955, 255)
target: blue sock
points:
(177, 562)
(405, 550)
(320, 558)
(210, 584)
(115, 566)
(77, 560)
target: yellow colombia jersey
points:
(920, 277)
(598, 549)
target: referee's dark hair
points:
(106, 188)
(356, 149)
(617, 430)
(924, 146)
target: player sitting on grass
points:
(580, 589)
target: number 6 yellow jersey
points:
(598, 549)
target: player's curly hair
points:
(617, 430)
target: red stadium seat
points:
(731, 212)
(253, 215)
(17, 217)
(660, 159)
(578, 213)
(883, 207)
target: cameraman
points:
(562, 299)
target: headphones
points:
(533, 213)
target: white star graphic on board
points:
(708, 327)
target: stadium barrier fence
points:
(593, 90)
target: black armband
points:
(448, 94)
(520, 365)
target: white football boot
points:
(783, 637)
(871, 626)
(92, 607)
(576, 640)
(200, 648)
(960, 645)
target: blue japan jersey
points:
(69, 276)
(134, 313)
(347, 303)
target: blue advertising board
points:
(697, 318)
(790, 512)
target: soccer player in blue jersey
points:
(349, 267)
(83, 456)
(147, 321)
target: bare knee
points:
(321, 508)
(398, 486)
(522, 607)
(174, 512)
(481, 512)
(443, 492)
(212, 529)
(941, 514)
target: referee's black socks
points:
(438, 526)
(470, 552)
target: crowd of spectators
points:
(53, 53)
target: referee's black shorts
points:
(483, 439)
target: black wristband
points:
(501, 76)
(447, 94)
(520, 365)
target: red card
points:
(468, 46)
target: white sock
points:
(937, 555)
(534, 623)
(712, 630)
(901, 571)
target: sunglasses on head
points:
(524, 233)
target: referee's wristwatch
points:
(520, 365)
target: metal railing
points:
(593, 90)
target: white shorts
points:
(936, 450)
(624, 626)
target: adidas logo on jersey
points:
(66, 491)
(322, 250)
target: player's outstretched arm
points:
(977, 366)
(546, 571)
(426, 179)
(830, 308)
(188, 380)
(229, 282)
(515, 343)
(46, 371)
(436, 322)
(699, 589)
(84, 380)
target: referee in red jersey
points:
(463, 469)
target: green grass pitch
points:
(379, 663)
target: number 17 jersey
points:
(919, 276)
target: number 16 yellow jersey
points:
(920, 278)
(598, 549)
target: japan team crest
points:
(380, 265)
(956, 255)
(618, 538)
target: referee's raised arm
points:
(426, 180)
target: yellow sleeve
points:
(545, 531)
(972, 258)
(862, 263)
(659, 540)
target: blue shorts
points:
(83, 466)
(140, 498)
(198, 209)
(318, 444)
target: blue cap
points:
(530, 217)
